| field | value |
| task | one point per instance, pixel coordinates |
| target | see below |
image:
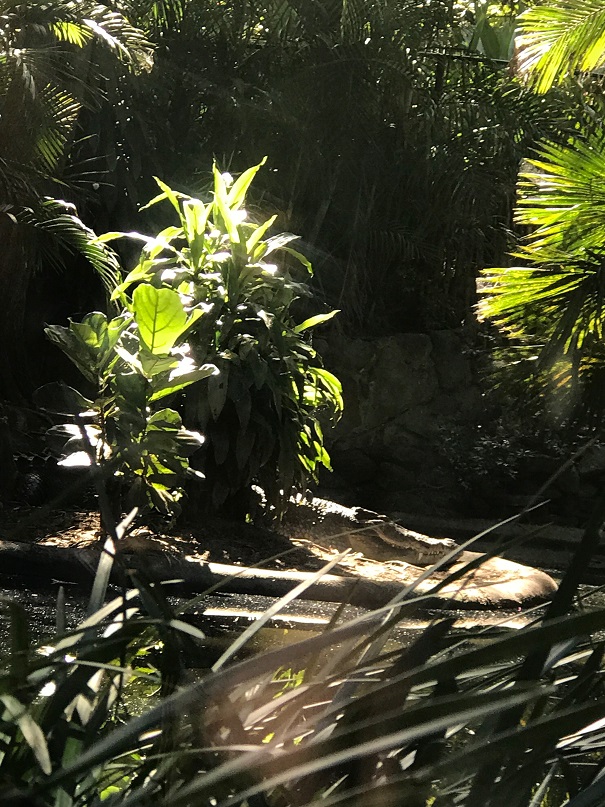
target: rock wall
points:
(402, 393)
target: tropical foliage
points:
(558, 40)
(393, 131)
(415, 136)
(261, 411)
(132, 362)
(552, 304)
(56, 60)
(110, 712)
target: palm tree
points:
(393, 131)
(556, 41)
(553, 303)
(57, 60)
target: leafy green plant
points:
(261, 412)
(558, 39)
(59, 62)
(553, 307)
(133, 362)
(484, 717)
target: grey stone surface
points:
(402, 393)
(410, 399)
(451, 364)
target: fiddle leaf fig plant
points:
(216, 287)
(132, 361)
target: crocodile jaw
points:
(375, 536)
(415, 549)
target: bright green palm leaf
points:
(558, 40)
(558, 304)
(564, 198)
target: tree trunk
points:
(15, 275)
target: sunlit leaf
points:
(160, 317)
(556, 40)
(318, 319)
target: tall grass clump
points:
(109, 713)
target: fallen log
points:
(549, 546)
(496, 583)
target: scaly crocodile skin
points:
(377, 537)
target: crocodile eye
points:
(361, 514)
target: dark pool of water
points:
(222, 617)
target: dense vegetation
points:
(112, 713)
(205, 314)
(393, 133)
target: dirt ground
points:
(215, 541)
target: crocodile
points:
(376, 536)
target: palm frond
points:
(558, 311)
(56, 127)
(65, 231)
(557, 303)
(564, 199)
(123, 38)
(160, 15)
(560, 39)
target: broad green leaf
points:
(75, 349)
(92, 330)
(133, 388)
(178, 379)
(155, 364)
(490, 40)
(115, 328)
(160, 317)
(62, 399)
(164, 419)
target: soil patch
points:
(215, 540)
